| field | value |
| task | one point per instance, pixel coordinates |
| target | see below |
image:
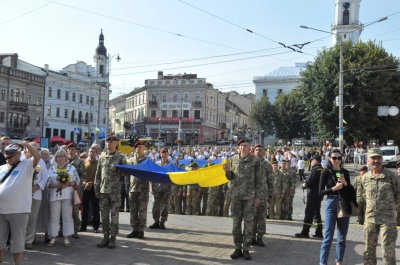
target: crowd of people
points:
(262, 183)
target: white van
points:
(391, 155)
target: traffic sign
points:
(134, 131)
(77, 130)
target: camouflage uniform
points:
(361, 205)
(80, 168)
(294, 179)
(275, 207)
(267, 191)
(107, 183)
(228, 198)
(202, 201)
(382, 195)
(138, 190)
(175, 205)
(192, 200)
(162, 195)
(288, 179)
(214, 199)
(246, 184)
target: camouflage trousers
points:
(290, 212)
(285, 207)
(388, 239)
(161, 206)
(398, 215)
(214, 201)
(175, 204)
(77, 219)
(361, 213)
(228, 201)
(275, 207)
(138, 202)
(259, 220)
(109, 205)
(202, 203)
(242, 210)
(192, 201)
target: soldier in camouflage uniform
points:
(293, 173)
(107, 189)
(192, 194)
(361, 206)
(214, 196)
(74, 160)
(267, 192)
(138, 190)
(275, 207)
(380, 191)
(245, 173)
(288, 179)
(162, 196)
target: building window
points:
(164, 97)
(58, 93)
(16, 96)
(87, 100)
(66, 95)
(2, 116)
(74, 97)
(38, 122)
(80, 98)
(346, 17)
(186, 113)
(197, 114)
(49, 92)
(91, 101)
(91, 117)
(174, 114)
(164, 113)
(265, 93)
(57, 112)
(175, 99)
(22, 96)
(65, 113)
(153, 113)
(104, 120)
(28, 99)
(49, 111)
(153, 97)
(39, 101)
(3, 95)
(101, 69)
(186, 97)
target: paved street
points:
(197, 240)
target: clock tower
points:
(347, 23)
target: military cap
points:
(137, 143)
(243, 140)
(163, 150)
(275, 163)
(318, 158)
(112, 138)
(258, 145)
(71, 145)
(364, 168)
(194, 164)
(374, 152)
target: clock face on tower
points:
(346, 5)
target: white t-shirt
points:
(41, 180)
(16, 190)
(67, 192)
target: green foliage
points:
(262, 114)
(370, 79)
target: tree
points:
(289, 116)
(371, 78)
(262, 115)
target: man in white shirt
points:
(16, 197)
(300, 167)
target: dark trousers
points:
(124, 200)
(312, 212)
(89, 197)
(301, 174)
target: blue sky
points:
(144, 34)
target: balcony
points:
(153, 104)
(18, 106)
(196, 104)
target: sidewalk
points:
(198, 240)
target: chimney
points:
(160, 75)
(46, 67)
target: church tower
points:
(101, 58)
(347, 23)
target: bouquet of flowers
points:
(35, 174)
(63, 178)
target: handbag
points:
(341, 206)
(77, 196)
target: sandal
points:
(52, 241)
(67, 243)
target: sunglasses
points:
(334, 158)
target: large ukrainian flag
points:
(171, 174)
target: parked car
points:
(222, 141)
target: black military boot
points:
(302, 235)
(246, 255)
(112, 243)
(105, 241)
(132, 234)
(237, 254)
(253, 241)
(155, 225)
(318, 232)
(260, 242)
(162, 226)
(140, 234)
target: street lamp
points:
(340, 96)
(159, 128)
